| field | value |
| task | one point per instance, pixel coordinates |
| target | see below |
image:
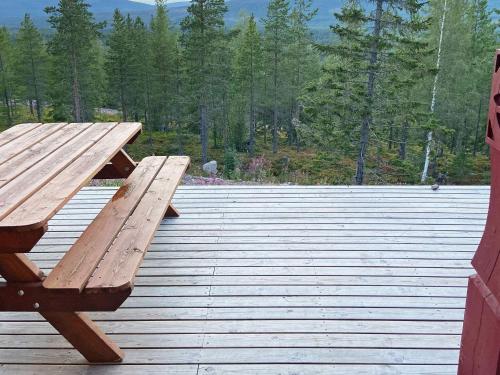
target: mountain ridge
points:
(12, 11)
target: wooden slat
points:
(224, 340)
(14, 193)
(120, 265)
(247, 356)
(285, 262)
(218, 369)
(81, 369)
(76, 267)
(337, 369)
(29, 139)
(55, 193)
(262, 313)
(28, 158)
(14, 132)
(252, 326)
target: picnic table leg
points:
(76, 327)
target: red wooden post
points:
(480, 348)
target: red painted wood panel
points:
(480, 347)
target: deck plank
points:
(268, 280)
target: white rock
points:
(210, 167)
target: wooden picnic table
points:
(42, 166)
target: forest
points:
(397, 94)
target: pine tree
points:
(334, 101)
(384, 30)
(140, 71)
(31, 66)
(303, 62)
(483, 41)
(202, 30)
(119, 63)
(248, 72)
(163, 44)
(74, 49)
(277, 28)
(403, 109)
(6, 75)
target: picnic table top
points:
(43, 165)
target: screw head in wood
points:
(20, 292)
(36, 305)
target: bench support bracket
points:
(172, 212)
(120, 166)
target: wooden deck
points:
(278, 280)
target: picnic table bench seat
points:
(107, 255)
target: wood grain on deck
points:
(278, 280)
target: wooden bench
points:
(41, 167)
(107, 255)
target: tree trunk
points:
(434, 91)
(6, 96)
(367, 120)
(75, 91)
(252, 125)
(7, 106)
(177, 116)
(404, 140)
(204, 132)
(275, 106)
(474, 150)
(35, 86)
(122, 96)
(295, 123)
(225, 121)
(390, 143)
(290, 125)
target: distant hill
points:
(12, 11)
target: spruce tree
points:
(277, 39)
(404, 113)
(140, 69)
(248, 73)
(31, 66)
(383, 29)
(119, 63)
(202, 30)
(303, 62)
(334, 101)
(76, 81)
(162, 44)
